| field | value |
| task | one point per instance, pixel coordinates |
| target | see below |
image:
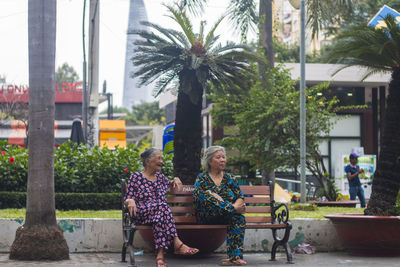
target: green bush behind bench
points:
(83, 178)
(76, 168)
(66, 201)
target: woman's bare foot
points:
(182, 249)
(160, 262)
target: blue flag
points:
(168, 139)
(378, 22)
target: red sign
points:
(65, 93)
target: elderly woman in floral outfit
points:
(147, 204)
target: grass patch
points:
(116, 214)
(107, 214)
(321, 211)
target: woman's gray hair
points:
(147, 154)
(208, 155)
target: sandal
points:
(190, 251)
(230, 262)
(161, 263)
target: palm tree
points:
(40, 238)
(378, 50)
(194, 61)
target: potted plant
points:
(376, 231)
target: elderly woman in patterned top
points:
(219, 200)
(147, 203)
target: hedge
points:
(67, 201)
(77, 168)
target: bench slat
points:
(258, 209)
(185, 219)
(186, 190)
(264, 199)
(255, 190)
(182, 209)
(187, 199)
(258, 219)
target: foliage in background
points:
(66, 74)
(13, 167)
(361, 13)
(76, 168)
(146, 113)
(66, 201)
(266, 124)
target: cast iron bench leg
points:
(130, 247)
(282, 242)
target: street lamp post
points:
(296, 4)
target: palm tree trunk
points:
(187, 135)
(266, 44)
(266, 31)
(386, 183)
(40, 238)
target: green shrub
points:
(66, 201)
(100, 170)
(13, 167)
(76, 168)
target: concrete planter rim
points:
(360, 216)
(365, 235)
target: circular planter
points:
(206, 240)
(368, 235)
(341, 203)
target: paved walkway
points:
(253, 259)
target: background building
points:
(132, 93)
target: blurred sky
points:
(113, 26)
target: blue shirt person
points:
(352, 171)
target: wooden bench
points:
(262, 211)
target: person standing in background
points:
(352, 171)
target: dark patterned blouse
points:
(206, 205)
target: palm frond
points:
(201, 32)
(169, 33)
(165, 55)
(210, 35)
(196, 7)
(323, 14)
(243, 15)
(181, 18)
(375, 49)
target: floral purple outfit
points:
(152, 207)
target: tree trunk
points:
(40, 238)
(187, 135)
(386, 183)
(266, 44)
(266, 35)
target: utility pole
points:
(303, 101)
(93, 116)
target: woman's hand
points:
(218, 197)
(177, 184)
(239, 205)
(131, 206)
